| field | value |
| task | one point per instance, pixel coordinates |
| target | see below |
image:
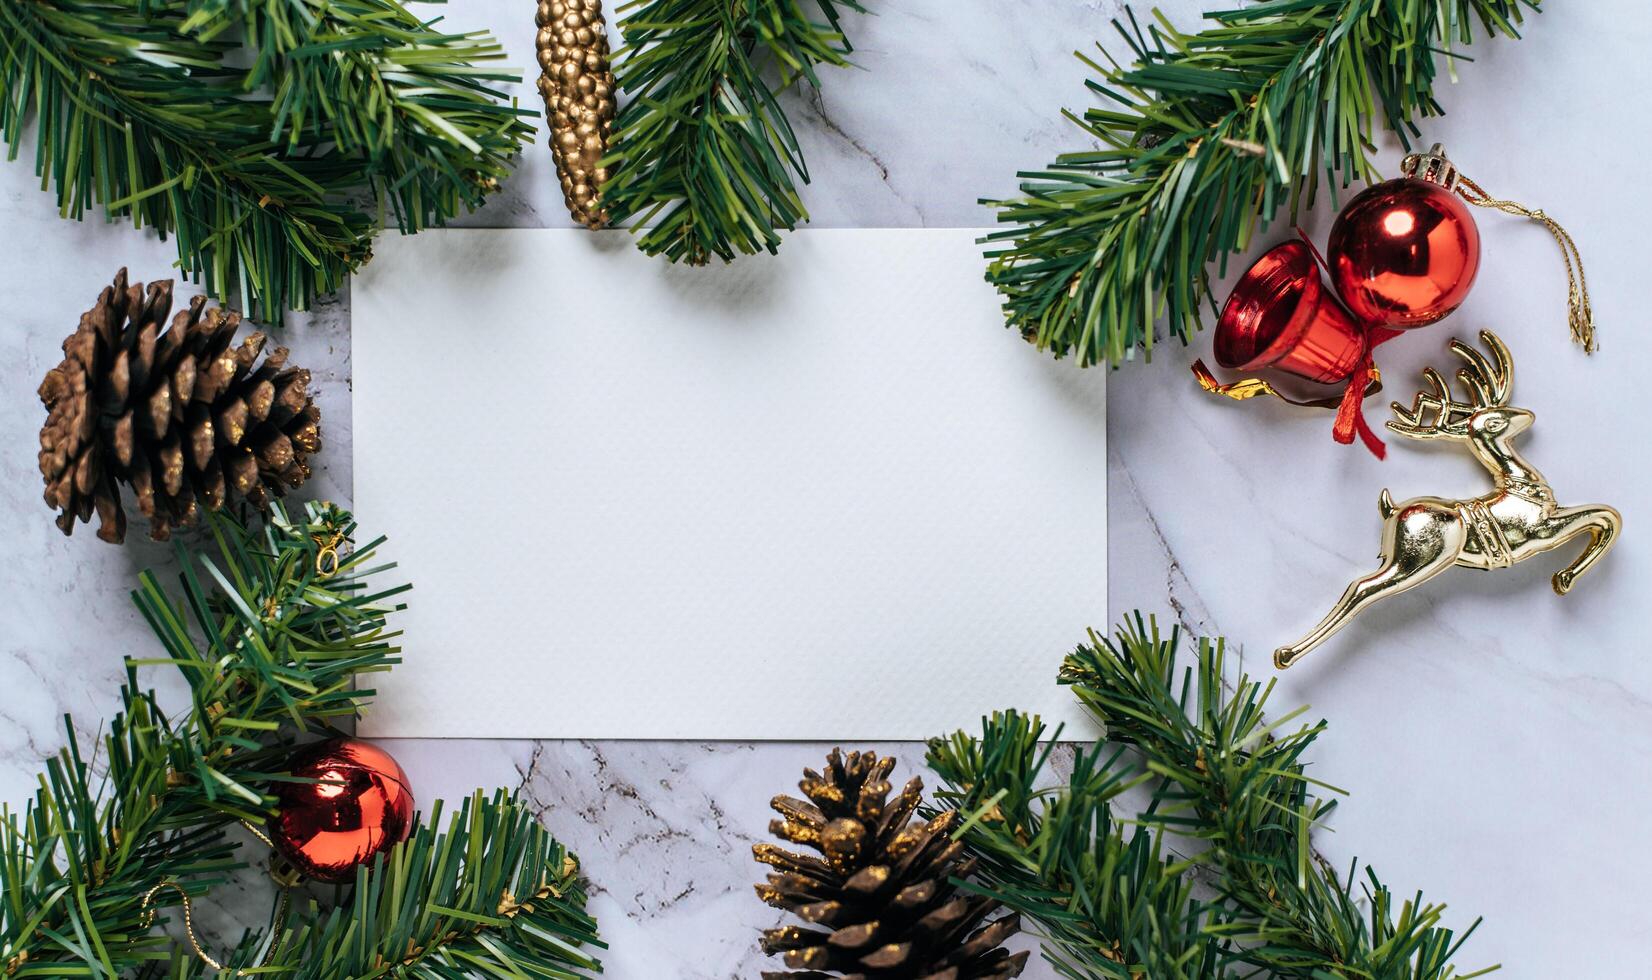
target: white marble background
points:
(1494, 737)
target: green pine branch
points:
(269, 633)
(265, 642)
(1203, 140)
(273, 179)
(273, 633)
(1107, 902)
(407, 102)
(74, 864)
(1252, 899)
(702, 155)
(1237, 782)
(491, 895)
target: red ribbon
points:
(1351, 412)
(1350, 405)
(1350, 419)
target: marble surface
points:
(1492, 736)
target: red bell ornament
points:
(1404, 253)
(355, 804)
(1281, 315)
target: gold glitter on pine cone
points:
(177, 413)
(578, 87)
(878, 902)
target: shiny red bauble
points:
(1404, 253)
(359, 806)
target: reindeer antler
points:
(1488, 381)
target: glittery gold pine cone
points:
(177, 413)
(578, 87)
(878, 901)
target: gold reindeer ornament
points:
(1424, 536)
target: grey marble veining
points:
(1492, 736)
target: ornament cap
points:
(1432, 166)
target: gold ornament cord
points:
(326, 560)
(149, 907)
(1580, 315)
(148, 919)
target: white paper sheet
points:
(820, 496)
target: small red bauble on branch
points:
(355, 804)
(1403, 254)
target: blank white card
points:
(824, 495)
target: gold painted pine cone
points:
(878, 902)
(176, 413)
(578, 87)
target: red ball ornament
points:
(360, 805)
(1404, 253)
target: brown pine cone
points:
(578, 88)
(880, 891)
(177, 413)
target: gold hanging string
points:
(1580, 316)
(326, 560)
(254, 831)
(148, 919)
(148, 907)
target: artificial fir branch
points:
(74, 864)
(275, 643)
(1108, 899)
(273, 634)
(1207, 136)
(405, 100)
(491, 895)
(1237, 782)
(703, 154)
(1107, 902)
(272, 178)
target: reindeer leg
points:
(1602, 524)
(1419, 542)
